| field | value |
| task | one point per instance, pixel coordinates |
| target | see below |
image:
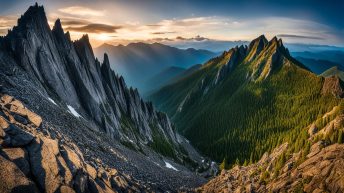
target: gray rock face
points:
(43, 164)
(70, 96)
(70, 73)
(18, 137)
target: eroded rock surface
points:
(36, 162)
(72, 112)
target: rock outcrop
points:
(31, 161)
(78, 108)
(333, 85)
(68, 73)
(316, 169)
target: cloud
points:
(3, 31)
(163, 32)
(195, 21)
(180, 38)
(68, 22)
(153, 25)
(162, 39)
(6, 23)
(196, 38)
(299, 36)
(95, 28)
(81, 11)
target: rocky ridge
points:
(68, 73)
(36, 161)
(83, 101)
(317, 169)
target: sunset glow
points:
(120, 22)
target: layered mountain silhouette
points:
(81, 102)
(138, 63)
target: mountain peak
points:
(106, 60)
(57, 28)
(34, 12)
(57, 25)
(256, 46)
(84, 38)
(84, 41)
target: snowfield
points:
(52, 101)
(168, 165)
(73, 111)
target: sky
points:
(188, 22)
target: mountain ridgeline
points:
(84, 99)
(247, 101)
(69, 72)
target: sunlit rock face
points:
(69, 71)
(73, 117)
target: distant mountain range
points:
(219, 46)
(248, 100)
(138, 63)
(334, 56)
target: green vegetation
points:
(160, 144)
(224, 165)
(241, 119)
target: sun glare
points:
(103, 37)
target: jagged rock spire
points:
(106, 60)
(58, 26)
(256, 46)
(33, 17)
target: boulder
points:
(21, 119)
(19, 157)
(120, 182)
(66, 189)
(13, 179)
(18, 108)
(98, 186)
(72, 159)
(91, 171)
(18, 136)
(6, 99)
(44, 164)
(3, 123)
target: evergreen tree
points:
(224, 165)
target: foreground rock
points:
(80, 120)
(321, 169)
(35, 162)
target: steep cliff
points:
(86, 101)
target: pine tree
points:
(245, 163)
(224, 165)
(237, 162)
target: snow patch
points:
(73, 111)
(52, 101)
(168, 165)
